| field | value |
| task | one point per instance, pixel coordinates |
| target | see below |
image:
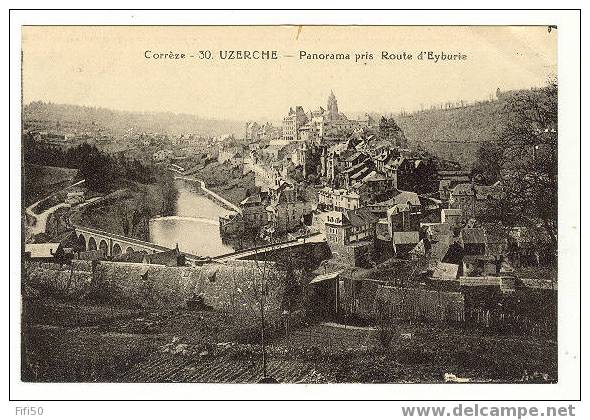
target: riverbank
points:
(200, 187)
(126, 211)
(228, 181)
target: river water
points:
(195, 227)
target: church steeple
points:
(332, 106)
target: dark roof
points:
(473, 236)
(361, 217)
(357, 167)
(164, 258)
(361, 173)
(134, 257)
(439, 249)
(454, 254)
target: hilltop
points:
(40, 114)
(450, 132)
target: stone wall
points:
(233, 287)
(421, 304)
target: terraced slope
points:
(220, 369)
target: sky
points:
(106, 66)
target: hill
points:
(454, 134)
(39, 114)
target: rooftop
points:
(44, 250)
(473, 236)
(361, 217)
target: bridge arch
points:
(81, 243)
(112, 244)
(104, 246)
(117, 249)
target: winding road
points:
(39, 221)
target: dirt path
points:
(347, 327)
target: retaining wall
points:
(234, 287)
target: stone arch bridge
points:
(90, 239)
(113, 245)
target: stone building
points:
(333, 107)
(351, 235)
(287, 210)
(293, 122)
(254, 212)
(338, 199)
(474, 200)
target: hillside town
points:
(345, 219)
(373, 197)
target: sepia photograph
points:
(293, 204)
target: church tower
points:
(332, 106)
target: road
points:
(39, 221)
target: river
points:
(195, 227)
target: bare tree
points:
(255, 284)
(386, 326)
(524, 159)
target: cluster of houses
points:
(370, 225)
(375, 198)
(281, 207)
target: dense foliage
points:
(99, 169)
(151, 189)
(523, 157)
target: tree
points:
(257, 282)
(386, 327)
(488, 164)
(169, 193)
(123, 213)
(524, 159)
(390, 130)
